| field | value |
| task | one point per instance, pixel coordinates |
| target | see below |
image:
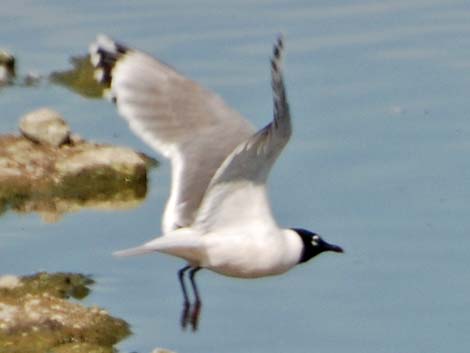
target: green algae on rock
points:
(35, 317)
(61, 285)
(82, 348)
(80, 78)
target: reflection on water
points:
(52, 207)
(191, 311)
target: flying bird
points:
(218, 215)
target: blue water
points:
(379, 163)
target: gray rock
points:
(45, 126)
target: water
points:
(378, 164)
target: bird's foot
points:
(190, 315)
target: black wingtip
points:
(278, 46)
(104, 55)
(274, 65)
(277, 52)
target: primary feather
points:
(182, 120)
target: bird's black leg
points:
(183, 286)
(194, 316)
(185, 312)
(192, 273)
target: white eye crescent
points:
(315, 240)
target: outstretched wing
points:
(237, 193)
(180, 119)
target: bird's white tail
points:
(139, 250)
(182, 242)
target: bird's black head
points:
(313, 244)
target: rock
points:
(82, 348)
(122, 160)
(45, 126)
(7, 67)
(35, 317)
(8, 72)
(60, 285)
(53, 181)
(5, 77)
(9, 281)
(162, 350)
(32, 78)
(54, 178)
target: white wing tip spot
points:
(103, 41)
(98, 74)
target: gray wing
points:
(237, 194)
(180, 119)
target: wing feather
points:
(237, 193)
(182, 120)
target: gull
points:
(218, 216)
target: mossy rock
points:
(82, 348)
(59, 285)
(35, 316)
(53, 181)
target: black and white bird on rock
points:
(218, 215)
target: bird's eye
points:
(315, 240)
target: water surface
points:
(379, 163)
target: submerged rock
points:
(35, 317)
(53, 179)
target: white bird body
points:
(218, 215)
(236, 252)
